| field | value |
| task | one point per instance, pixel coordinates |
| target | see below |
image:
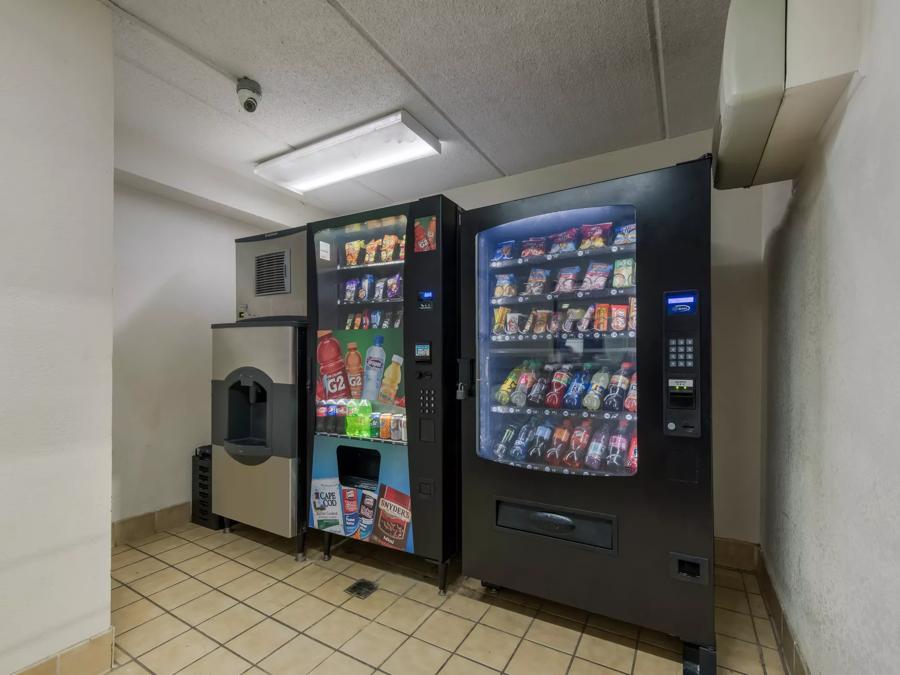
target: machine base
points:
(699, 660)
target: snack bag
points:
(561, 242)
(386, 322)
(514, 323)
(618, 317)
(596, 276)
(625, 234)
(573, 316)
(398, 317)
(585, 322)
(351, 251)
(529, 323)
(425, 232)
(364, 324)
(537, 282)
(403, 247)
(349, 324)
(505, 286)
(350, 288)
(499, 320)
(533, 246)
(601, 318)
(632, 313)
(371, 251)
(357, 321)
(594, 236)
(326, 506)
(541, 321)
(388, 244)
(623, 273)
(565, 281)
(379, 289)
(394, 286)
(366, 285)
(376, 318)
(555, 322)
(504, 251)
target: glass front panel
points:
(360, 389)
(557, 322)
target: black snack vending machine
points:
(577, 485)
(383, 310)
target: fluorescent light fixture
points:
(387, 141)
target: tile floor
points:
(195, 601)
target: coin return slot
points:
(683, 400)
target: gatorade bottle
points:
(353, 361)
(331, 365)
(391, 381)
(374, 369)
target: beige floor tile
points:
(132, 668)
(143, 541)
(336, 628)
(751, 583)
(217, 539)
(309, 578)
(113, 583)
(134, 614)
(652, 660)
(230, 623)
(201, 563)
(426, 593)
(736, 601)
(371, 606)
(582, 667)
(772, 661)
(509, 617)
(145, 637)
(735, 624)
(121, 596)
(205, 607)
(415, 657)
(738, 655)
(120, 658)
(764, 632)
(467, 608)
(153, 583)
(337, 563)
(178, 653)
(259, 556)
(361, 570)
(181, 553)
(127, 557)
(728, 578)
(395, 583)
(341, 664)
(444, 630)
(249, 584)
(534, 659)
(607, 649)
(373, 644)
(283, 567)
(334, 590)
(261, 640)
(297, 657)
(224, 573)
(138, 570)
(757, 606)
(180, 593)
(160, 545)
(194, 533)
(217, 662)
(457, 665)
(405, 615)
(303, 613)
(628, 630)
(274, 598)
(238, 547)
(489, 646)
(566, 612)
(554, 631)
(661, 640)
(121, 548)
(518, 598)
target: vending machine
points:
(384, 315)
(579, 485)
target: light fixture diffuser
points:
(388, 141)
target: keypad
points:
(426, 401)
(681, 352)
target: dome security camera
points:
(249, 94)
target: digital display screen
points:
(422, 352)
(682, 302)
(426, 295)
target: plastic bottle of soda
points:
(578, 445)
(526, 380)
(541, 442)
(504, 443)
(321, 415)
(631, 459)
(506, 389)
(353, 363)
(375, 357)
(538, 390)
(631, 400)
(558, 386)
(331, 365)
(618, 387)
(599, 382)
(618, 446)
(364, 418)
(577, 387)
(596, 453)
(559, 443)
(523, 439)
(391, 380)
(351, 427)
(341, 417)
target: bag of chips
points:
(371, 251)
(505, 286)
(398, 317)
(561, 242)
(504, 251)
(366, 286)
(573, 316)
(623, 273)
(376, 318)
(625, 234)
(555, 321)
(533, 246)
(618, 317)
(537, 282)
(514, 322)
(387, 320)
(596, 276)
(350, 290)
(394, 287)
(585, 322)
(566, 280)
(632, 313)
(357, 321)
(499, 320)
(388, 244)
(601, 318)
(351, 251)
(541, 321)
(594, 236)
(379, 289)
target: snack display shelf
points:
(387, 441)
(564, 413)
(606, 293)
(366, 266)
(604, 252)
(577, 335)
(547, 468)
(386, 301)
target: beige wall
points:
(56, 133)
(738, 309)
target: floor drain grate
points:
(362, 588)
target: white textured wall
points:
(738, 309)
(56, 135)
(832, 542)
(174, 276)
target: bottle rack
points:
(564, 413)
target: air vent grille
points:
(273, 273)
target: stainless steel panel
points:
(293, 303)
(264, 495)
(271, 349)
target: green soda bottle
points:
(364, 416)
(352, 414)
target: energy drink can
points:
(403, 428)
(395, 427)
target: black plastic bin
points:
(201, 489)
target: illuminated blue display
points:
(426, 295)
(681, 302)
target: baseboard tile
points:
(146, 524)
(793, 660)
(741, 555)
(91, 657)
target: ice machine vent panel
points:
(273, 273)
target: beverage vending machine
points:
(578, 484)
(384, 311)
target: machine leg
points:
(300, 556)
(442, 577)
(327, 553)
(490, 587)
(699, 660)
(227, 523)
